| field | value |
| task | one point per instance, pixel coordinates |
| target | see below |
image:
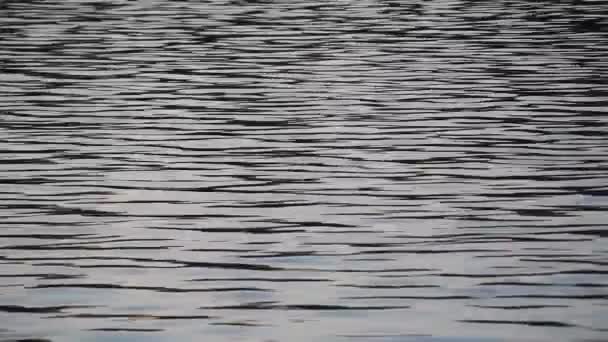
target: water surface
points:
(303, 170)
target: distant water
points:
(380, 170)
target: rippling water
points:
(355, 170)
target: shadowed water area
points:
(294, 170)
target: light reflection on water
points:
(288, 170)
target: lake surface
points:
(355, 170)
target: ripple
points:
(295, 170)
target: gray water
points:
(349, 170)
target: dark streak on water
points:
(303, 170)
